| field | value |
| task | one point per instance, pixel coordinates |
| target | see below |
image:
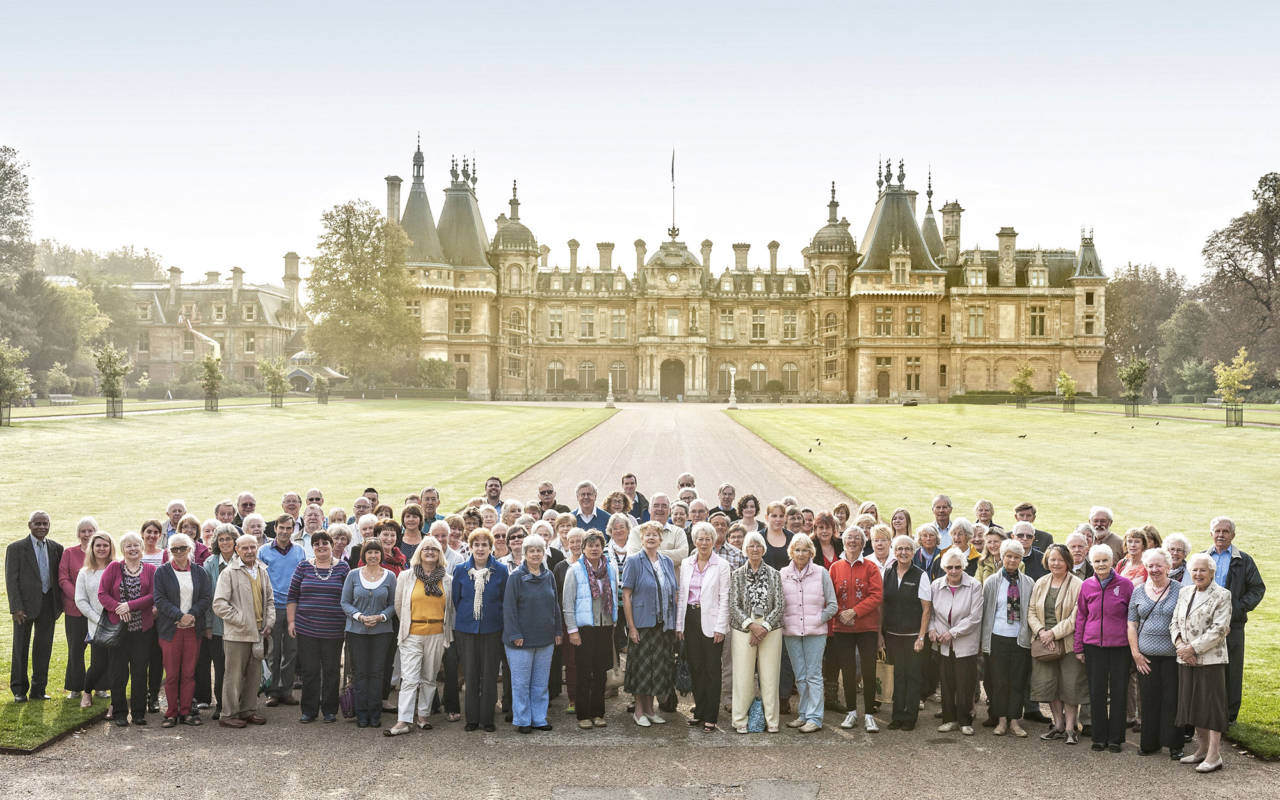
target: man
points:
(685, 481)
(243, 599)
(547, 498)
(639, 505)
(1100, 519)
(315, 497)
(312, 522)
(726, 495)
(1025, 512)
(675, 545)
(291, 505)
(1032, 560)
(1078, 544)
(35, 601)
(429, 499)
(362, 505)
(225, 512)
(942, 518)
(280, 556)
(720, 521)
(246, 504)
(587, 516)
(1236, 571)
(687, 495)
(372, 494)
(173, 513)
(493, 492)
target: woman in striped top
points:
(317, 621)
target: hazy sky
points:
(216, 135)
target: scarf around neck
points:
(598, 578)
(480, 576)
(430, 580)
(1013, 599)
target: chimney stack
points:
(740, 256)
(606, 256)
(640, 251)
(175, 281)
(773, 256)
(706, 255)
(573, 255)
(393, 198)
(212, 277)
(237, 283)
(291, 280)
(543, 252)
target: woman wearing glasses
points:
(183, 595)
(955, 633)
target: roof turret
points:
(417, 221)
(511, 233)
(893, 224)
(834, 237)
(461, 229)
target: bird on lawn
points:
(932, 442)
(948, 445)
(1023, 436)
(904, 438)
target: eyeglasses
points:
(315, 500)
(954, 566)
(179, 549)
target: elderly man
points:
(173, 513)
(1236, 571)
(35, 601)
(429, 499)
(725, 495)
(1100, 519)
(942, 518)
(291, 505)
(675, 545)
(1025, 512)
(1032, 560)
(246, 504)
(359, 507)
(547, 498)
(1078, 545)
(313, 521)
(243, 599)
(685, 481)
(225, 511)
(280, 557)
(587, 516)
(315, 497)
(493, 492)
(639, 504)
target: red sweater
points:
(858, 587)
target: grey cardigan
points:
(369, 602)
(993, 586)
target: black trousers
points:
(447, 696)
(555, 678)
(319, 663)
(705, 655)
(1108, 672)
(369, 654)
(155, 670)
(98, 675)
(850, 649)
(129, 665)
(1235, 672)
(204, 661)
(593, 659)
(930, 670)
(1158, 696)
(959, 677)
(1007, 671)
(77, 628)
(388, 666)
(907, 665)
(479, 655)
(218, 659)
(34, 635)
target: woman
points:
(900, 521)
(1006, 639)
(152, 548)
(827, 546)
(776, 537)
(366, 530)
(905, 616)
(983, 512)
(927, 551)
(856, 627)
(795, 519)
(100, 551)
(1056, 678)
(183, 599)
(501, 550)
(809, 602)
(387, 533)
(755, 617)
(881, 546)
(1135, 544)
(619, 503)
(588, 602)
(316, 619)
(341, 535)
(207, 529)
(563, 667)
(515, 547)
(955, 633)
(563, 524)
(368, 601)
(425, 609)
(127, 595)
(477, 592)
(511, 509)
(649, 591)
(1151, 610)
(866, 522)
(531, 629)
(748, 509)
(411, 517)
(256, 526)
(1102, 645)
(1177, 547)
(75, 623)
(870, 508)
(224, 549)
(383, 511)
(842, 513)
(680, 514)
(989, 563)
(1199, 627)
(702, 622)
(489, 515)
(962, 537)
(337, 516)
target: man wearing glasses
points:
(246, 504)
(1033, 562)
(547, 498)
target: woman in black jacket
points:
(904, 618)
(183, 595)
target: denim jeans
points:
(530, 668)
(805, 653)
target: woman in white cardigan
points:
(424, 607)
(702, 622)
(99, 552)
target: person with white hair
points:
(244, 600)
(649, 590)
(1102, 645)
(1199, 627)
(702, 622)
(1235, 571)
(174, 512)
(1006, 638)
(183, 597)
(531, 630)
(755, 617)
(587, 515)
(75, 624)
(1078, 546)
(955, 633)
(1155, 658)
(1056, 678)
(808, 603)
(1178, 548)
(425, 610)
(126, 592)
(1101, 520)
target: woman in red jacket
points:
(856, 625)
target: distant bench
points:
(62, 400)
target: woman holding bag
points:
(99, 552)
(1051, 613)
(1150, 614)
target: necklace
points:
(132, 570)
(327, 575)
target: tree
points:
(122, 265)
(1066, 386)
(1139, 298)
(600, 386)
(144, 383)
(272, 372)
(211, 375)
(1196, 375)
(15, 214)
(1020, 383)
(1233, 379)
(1182, 338)
(569, 385)
(358, 285)
(15, 379)
(1133, 376)
(56, 380)
(774, 388)
(117, 304)
(436, 373)
(113, 364)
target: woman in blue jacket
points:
(649, 589)
(479, 585)
(369, 602)
(530, 632)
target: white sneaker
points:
(796, 723)
(849, 720)
(810, 727)
(872, 727)
(656, 720)
(947, 727)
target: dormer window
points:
(619, 284)
(789, 285)
(1038, 277)
(556, 283)
(757, 284)
(900, 271)
(144, 312)
(588, 283)
(726, 284)
(977, 276)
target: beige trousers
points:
(767, 659)
(241, 679)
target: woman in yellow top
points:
(989, 563)
(425, 610)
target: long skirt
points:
(1202, 696)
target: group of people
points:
(418, 613)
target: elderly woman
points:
(928, 553)
(881, 537)
(183, 598)
(1199, 627)
(1151, 610)
(1102, 645)
(904, 625)
(100, 551)
(590, 608)
(795, 519)
(316, 619)
(809, 602)
(126, 592)
(75, 623)
(256, 526)
(423, 595)
(955, 633)
(1177, 546)
(963, 536)
(649, 590)
(982, 512)
(755, 617)
(563, 667)
(224, 550)
(1056, 679)
(366, 530)
(511, 510)
(531, 628)
(1006, 639)
(702, 622)
(855, 627)
(1131, 566)
(989, 563)
(478, 588)
(368, 601)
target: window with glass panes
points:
(618, 371)
(913, 373)
(723, 378)
(884, 320)
(673, 322)
(789, 324)
(587, 322)
(726, 324)
(757, 324)
(586, 374)
(759, 376)
(1036, 317)
(790, 377)
(462, 318)
(977, 321)
(617, 323)
(555, 376)
(555, 323)
(915, 320)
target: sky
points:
(217, 134)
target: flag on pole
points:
(673, 165)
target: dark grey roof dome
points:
(834, 236)
(513, 235)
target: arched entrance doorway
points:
(671, 379)
(882, 385)
(460, 382)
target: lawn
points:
(91, 406)
(125, 471)
(1261, 414)
(1176, 475)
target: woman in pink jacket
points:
(702, 622)
(955, 632)
(808, 603)
(1102, 644)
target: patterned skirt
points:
(651, 663)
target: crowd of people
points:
(422, 615)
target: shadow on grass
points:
(28, 727)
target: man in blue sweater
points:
(281, 556)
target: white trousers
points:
(420, 658)
(765, 657)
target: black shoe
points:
(192, 719)
(40, 696)
(1114, 748)
(139, 720)
(330, 717)
(1097, 747)
(153, 708)
(1086, 730)
(895, 725)
(470, 726)
(546, 727)
(908, 726)
(1035, 716)
(361, 723)
(376, 722)
(122, 721)
(305, 718)
(524, 729)
(1176, 755)
(169, 722)
(1142, 752)
(990, 722)
(490, 728)
(217, 715)
(506, 717)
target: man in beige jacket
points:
(244, 602)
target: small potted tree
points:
(211, 381)
(1067, 389)
(570, 388)
(600, 386)
(273, 376)
(1020, 384)
(1233, 381)
(113, 364)
(1133, 375)
(322, 390)
(15, 380)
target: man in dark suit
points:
(35, 601)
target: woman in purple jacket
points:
(1102, 643)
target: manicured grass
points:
(125, 471)
(1268, 414)
(1175, 475)
(98, 406)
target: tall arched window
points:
(790, 377)
(586, 374)
(517, 319)
(555, 376)
(618, 371)
(515, 278)
(829, 323)
(832, 279)
(723, 379)
(759, 376)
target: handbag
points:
(755, 717)
(347, 702)
(683, 678)
(1041, 652)
(884, 681)
(108, 633)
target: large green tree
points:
(358, 286)
(15, 213)
(1139, 298)
(1183, 337)
(122, 265)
